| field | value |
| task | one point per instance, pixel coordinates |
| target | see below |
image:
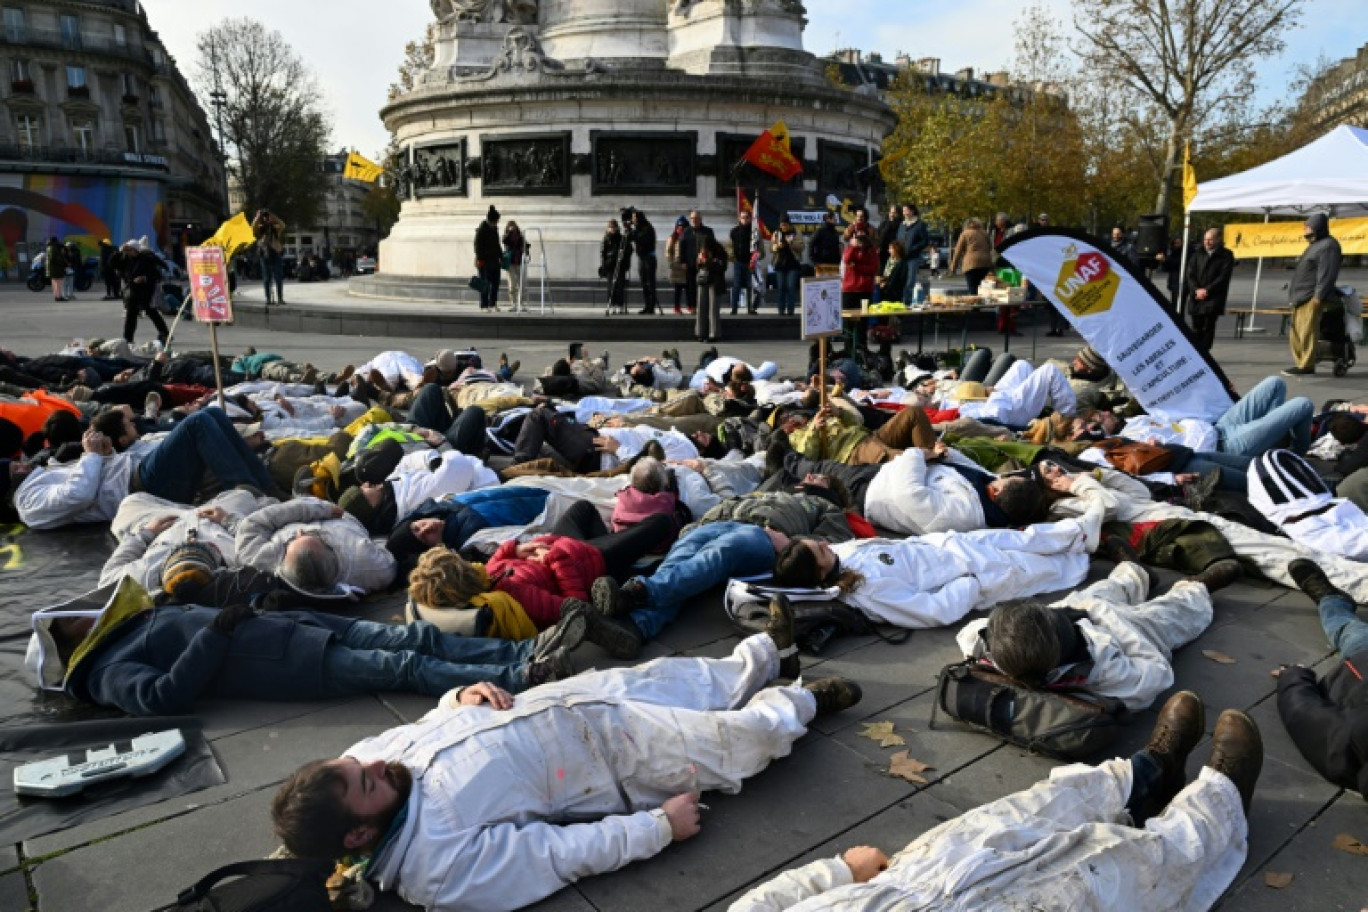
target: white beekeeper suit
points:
(937, 579)
(1064, 843)
(1130, 640)
(263, 537)
(1022, 394)
(914, 497)
(141, 554)
(509, 807)
(425, 474)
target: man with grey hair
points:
(649, 475)
(1208, 284)
(314, 546)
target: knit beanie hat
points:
(375, 463)
(353, 501)
(403, 544)
(1092, 359)
(189, 566)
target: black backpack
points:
(1064, 723)
(271, 885)
(817, 618)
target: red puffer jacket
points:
(861, 265)
(567, 571)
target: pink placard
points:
(209, 284)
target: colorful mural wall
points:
(35, 207)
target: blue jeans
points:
(419, 658)
(273, 270)
(1258, 422)
(1234, 469)
(206, 441)
(788, 281)
(741, 281)
(1343, 628)
(706, 557)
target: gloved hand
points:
(228, 619)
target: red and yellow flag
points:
(771, 153)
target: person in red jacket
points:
(861, 266)
(563, 564)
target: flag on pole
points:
(771, 153)
(362, 169)
(1189, 178)
(232, 235)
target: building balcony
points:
(129, 98)
(78, 91)
(84, 44)
(68, 157)
(21, 86)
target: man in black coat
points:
(1328, 719)
(1208, 285)
(644, 240)
(489, 258)
(825, 248)
(742, 240)
(690, 245)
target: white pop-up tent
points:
(1328, 175)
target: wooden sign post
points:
(208, 269)
(821, 309)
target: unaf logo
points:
(1087, 284)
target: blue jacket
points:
(160, 661)
(468, 513)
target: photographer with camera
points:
(270, 236)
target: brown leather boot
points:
(1180, 725)
(1220, 574)
(1237, 752)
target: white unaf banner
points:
(1126, 320)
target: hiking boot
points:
(1197, 496)
(1180, 725)
(1237, 752)
(567, 633)
(1220, 574)
(619, 637)
(1298, 371)
(346, 373)
(554, 666)
(834, 695)
(1311, 579)
(310, 375)
(513, 369)
(674, 356)
(612, 600)
(780, 630)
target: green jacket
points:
(791, 514)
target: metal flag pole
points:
(1258, 276)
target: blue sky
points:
(355, 45)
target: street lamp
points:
(219, 99)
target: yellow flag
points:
(362, 169)
(232, 235)
(1189, 179)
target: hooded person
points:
(1286, 490)
(1313, 287)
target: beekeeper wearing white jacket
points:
(937, 579)
(490, 807)
(1125, 644)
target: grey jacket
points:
(791, 514)
(1318, 269)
